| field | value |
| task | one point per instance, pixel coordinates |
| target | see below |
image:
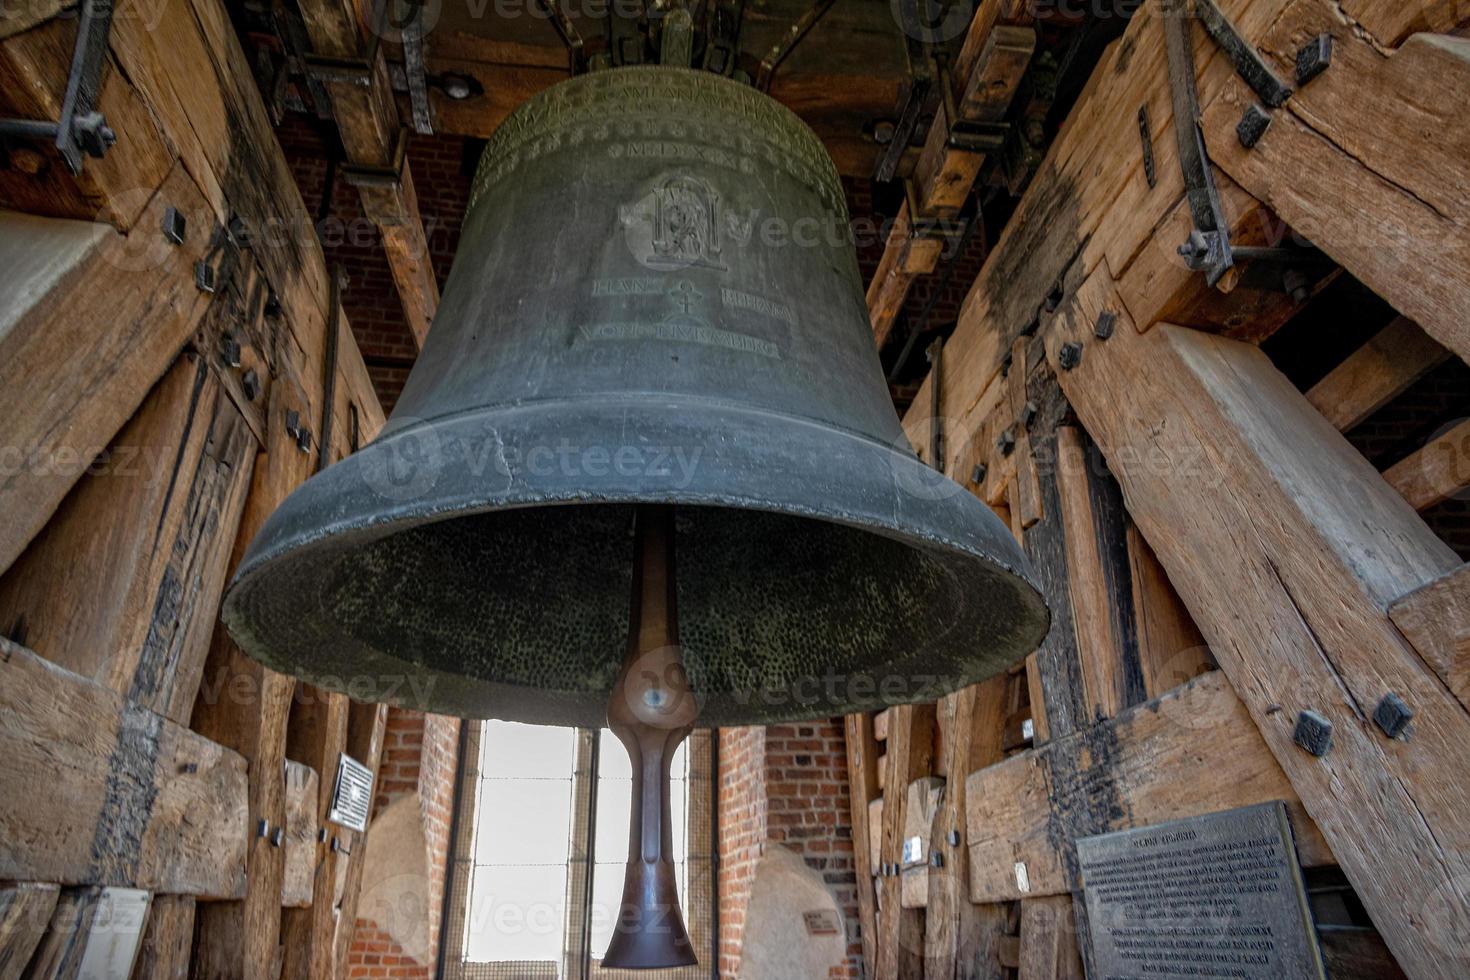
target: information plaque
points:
(1214, 896)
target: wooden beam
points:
(1436, 620)
(1376, 373)
(366, 724)
(122, 585)
(164, 953)
(1171, 649)
(34, 69)
(317, 732)
(1435, 472)
(909, 755)
(95, 319)
(299, 836)
(25, 911)
(1288, 547)
(905, 256)
(1099, 578)
(862, 784)
(1192, 751)
(1349, 163)
(961, 939)
(1048, 940)
(130, 798)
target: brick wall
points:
(420, 755)
(785, 784)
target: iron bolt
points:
(204, 276)
(273, 306)
(229, 351)
(1294, 281)
(1070, 355)
(1392, 715)
(1314, 58)
(954, 838)
(174, 225)
(1252, 126)
(977, 475)
(1106, 321)
(250, 385)
(278, 837)
(262, 828)
(1007, 442)
(1028, 413)
(936, 859)
(1313, 733)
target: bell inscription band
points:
(653, 345)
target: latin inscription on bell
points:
(1214, 896)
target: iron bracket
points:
(916, 92)
(81, 129)
(935, 354)
(1207, 249)
(722, 45)
(782, 49)
(1248, 62)
(570, 36)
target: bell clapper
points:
(651, 711)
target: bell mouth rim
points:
(860, 483)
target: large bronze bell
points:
(656, 301)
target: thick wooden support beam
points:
(1350, 162)
(1288, 548)
(1376, 373)
(123, 584)
(909, 755)
(1171, 650)
(299, 837)
(1192, 751)
(862, 785)
(25, 911)
(164, 952)
(1435, 472)
(962, 939)
(129, 798)
(1436, 620)
(92, 320)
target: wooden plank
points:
(1189, 752)
(122, 585)
(34, 69)
(25, 911)
(1040, 732)
(1391, 23)
(1027, 504)
(82, 348)
(164, 954)
(299, 839)
(130, 798)
(862, 786)
(1171, 650)
(909, 755)
(1048, 940)
(921, 806)
(961, 939)
(1288, 548)
(1436, 620)
(1376, 373)
(1099, 578)
(1435, 472)
(365, 727)
(317, 732)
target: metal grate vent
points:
(353, 795)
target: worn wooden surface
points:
(1171, 649)
(862, 786)
(1048, 940)
(1376, 373)
(129, 798)
(25, 911)
(365, 727)
(299, 838)
(909, 754)
(1288, 547)
(78, 358)
(1436, 471)
(1436, 620)
(164, 951)
(1192, 751)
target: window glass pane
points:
(614, 797)
(524, 822)
(511, 750)
(516, 914)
